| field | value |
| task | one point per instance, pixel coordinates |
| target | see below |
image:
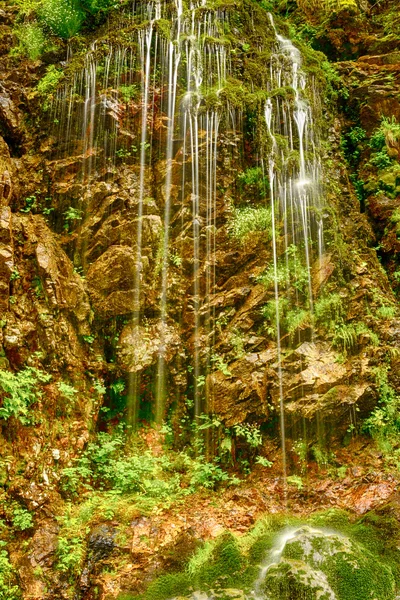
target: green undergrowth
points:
(232, 561)
(40, 24)
(19, 391)
(121, 464)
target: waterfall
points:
(295, 195)
(161, 96)
(119, 85)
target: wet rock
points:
(321, 372)
(111, 279)
(64, 288)
(101, 544)
(6, 174)
(10, 116)
(6, 256)
(241, 390)
(139, 346)
(321, 272)
(44, 545)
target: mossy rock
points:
(316, 564)
(296, 580)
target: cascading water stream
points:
(294, 195)
(174, 56)
(145, 46)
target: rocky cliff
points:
(72, 347)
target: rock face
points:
(316, 564)
(92, 261)
(71, 278)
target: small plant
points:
(208, 475)
(381, 159)
(352, 144)
(248, 219)
(322, 456)
(296, 481)
(37, 286)
(30, 204)
(22, 519)
(15, 275)
(236, 340)
(129, 92)
(99, 386)
(126, 152)
(72, 215)
(300, 448)
(386, 312)
(8, 589)
(71, 549)
(264, 462)
(67, 391)
(219, 363)
(21, 390)
(175, 259)
(250, 433)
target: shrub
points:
(384, 422)
(128, 92)
(347, 335)
(252, 181)
(32, 41)
(63, 17)
(328, 310)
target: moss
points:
(164, 28)
(168, 586)
(225, 565)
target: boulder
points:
(316, 564)
(111, 281)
